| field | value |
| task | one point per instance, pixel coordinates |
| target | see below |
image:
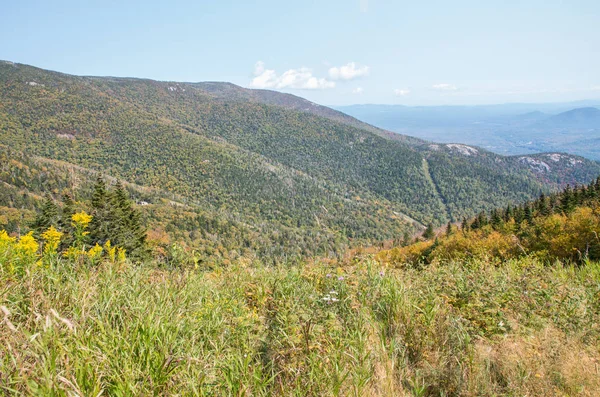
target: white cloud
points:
(301, 79)
(444, 87)
(364, 5)
(595, 88)
(401, 92)
(349, 71)
(358, 90)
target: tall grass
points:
(467, 328)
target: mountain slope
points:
(577, 118)
(312, 174)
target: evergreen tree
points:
(47, 217)
(102, 227)
(480, 221)
(475, 224)
(464, 225)
(406, 239)
(542, 205)
(508, 213)
(553, 204)
(567, 202)
(449, 229)
(496, 219)
(67, 212)
(129, 232)
(519, 215)
(528, 214)
(65, 222)
(429, 232)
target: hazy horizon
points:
(339, 52)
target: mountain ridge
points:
(269, 165)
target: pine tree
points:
(528, 214)
(482, 219)
(508, 213)
(102, 227)
(129, 232)
(476, 224)
(449, 229)
(567, 202)
(65, 222)
(429, 232)
(496, 219)
(67, 212)
(406, 239)
(47, 217)
(519, 215)
(464, 225)
(553, 204)
(542, 205)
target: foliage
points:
(235, 172)
(563, 227)
(462, 328)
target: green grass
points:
(354, 330)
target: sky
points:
(333, 52)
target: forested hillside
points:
(255, 163)
(562, 227)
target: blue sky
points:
(330, 51)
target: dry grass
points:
(316, 330)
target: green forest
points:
(202, 239)
(234, 172)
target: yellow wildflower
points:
(81, 219)
(52, 240)
(121, 254)
(5, 239)
(110, 251)
(73, 253)
(27, 244)
(95, 252)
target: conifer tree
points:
(129, 232)
(449, 229)
(519, 215)
(528, 214)
(429, 232)
(496, 219)
(67, 212)
(47, 217)
(406, 239)
(567, 202)
(553, 204)
(542, 205)
(481, 220)
(65, 222)
(102, 227)
(465, 225)
(508, 213)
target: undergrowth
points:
(454, 328)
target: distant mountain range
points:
(581, 118)
(235, 170)
(505, 129)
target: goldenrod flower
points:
(120, 255)
(110, 251)
(5, 239)
(52, 240)
(95, 252)
(27, 244)
(81, 219)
